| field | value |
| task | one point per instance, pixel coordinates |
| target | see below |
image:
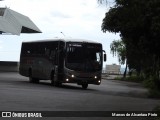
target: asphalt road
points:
(17, 94)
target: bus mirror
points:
(105, 57)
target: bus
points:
(62, 61)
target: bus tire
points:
(31, 79)
(52, 79)
(30, 76)
(84, 85)
(58, 84)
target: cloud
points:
(52, 15)
(75, 18)
(60, 14)
(1, 44)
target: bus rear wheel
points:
(84, 85)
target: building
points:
(113, 69)
(16, 23)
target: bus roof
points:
(60, 39)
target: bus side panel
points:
(23, 67)
(40, 58)
(61, 56)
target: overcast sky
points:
(75, 18)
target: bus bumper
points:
(80, 81)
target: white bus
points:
(62, 61)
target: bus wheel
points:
(58, 84)
(84, 85)
(52, 81)
(31, 79)
(36, 80)
(52, 78)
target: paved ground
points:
(17, 94)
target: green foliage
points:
(138, 22)
(134, 79)
(118, 48)
(149, 83)
(138, 79)
(152, 83)
(118, 78)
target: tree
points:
(118, 48)
(138, 22)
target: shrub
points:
(149, 83)
(154, 93)
(135, 78)
(152, 83)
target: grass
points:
(130, 79)
(151, 84)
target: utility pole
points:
(62, 34)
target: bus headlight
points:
(72, 76)
(99, 81)
(67, 80)
(95, 77)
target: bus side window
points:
(56, 57)
(25, 50)
(47, 51)
(52, 55)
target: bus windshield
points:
(84, 56)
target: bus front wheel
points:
(58, 84)
(54, 80)
(85, 85)
(31, 79)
